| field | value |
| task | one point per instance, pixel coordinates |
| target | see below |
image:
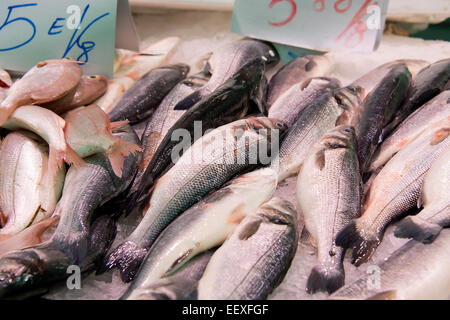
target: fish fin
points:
(35, 231)
(364, 245)
(72, 158)
(385, 295)
(440, 135)
(319, 159)
(117, 153)
(190, 100)
(306, 238)
(323, 279)
(178, 262)
(305, 83)
(237, 215)
(249, 229)
(418, 229)
(118, 124)
(127, 257)
(55, 159)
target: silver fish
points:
(254, 260)
(322, 114)
(392, 193)
(329, 196)
(427, 225)
(289, 105)
(205, 225)
(297, 71)
(206, 165)
(414, 272)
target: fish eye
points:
(279, 125)
(352, 89)
(93, 77)
(348, 130)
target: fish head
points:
(271, 56)
(278, 211)
(182, 68)
(342, 136)
(324, 82)
(318, 64)
(349, 100)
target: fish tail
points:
(418, 229)
(72, 158)
(324, 279)
(55, 159)
(364, 244)
(117, 153)
(190, 100)
(127, 257)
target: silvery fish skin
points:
(162, 120)
(209, 163)
(428, 83)
(228, 103)
(423, 118)
(28, 193)
(377, 110)
(180, 286)
(205, 225)
(371, 80)
(139, 102)
(289, 105)
(321, 115)
(427, 225)
(254, 260)
(227, 61)
(297, 71)
(414, 272)
(392, 193)
(329, 196)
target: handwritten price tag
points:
(36, 30)
(353, 25)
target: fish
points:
(89, 89)
(139, 102)
(50, 127)
(371, 80)
(5, 84)
(289, 105)
(28, 237)
(427, 225)
(182, 285)
(426, 117)
(89, 131)
(255, 259)
(415, 271)
(428, 83)
(329, 196)
(209, 163)
(28, 192)
(228, 103)
(203, 226)
(227, 61)
(162, 120)
(297, 71)
(47, 81)
(377, 110)
(392, 193)
(114, 91)
(322, 114)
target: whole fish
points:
(372, 79)
(227, 61)
(89, 131)
(228, 103)
(427, 225)
(392, 193)
(428, 83)
(209, 163)
(322, 114)
(139, 102)
(254, 260)
(423, 118)
(414, 272)
(377, 110)
(289, 105)
(182, 285)
(89, 89)
(204, 226)
(329, 196)
(297, 71)
(47, 81)
(28, 192)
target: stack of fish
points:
(204, 171)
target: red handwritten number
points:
(319, 5)
(359, 26)
(338, 3)
(291, 16)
